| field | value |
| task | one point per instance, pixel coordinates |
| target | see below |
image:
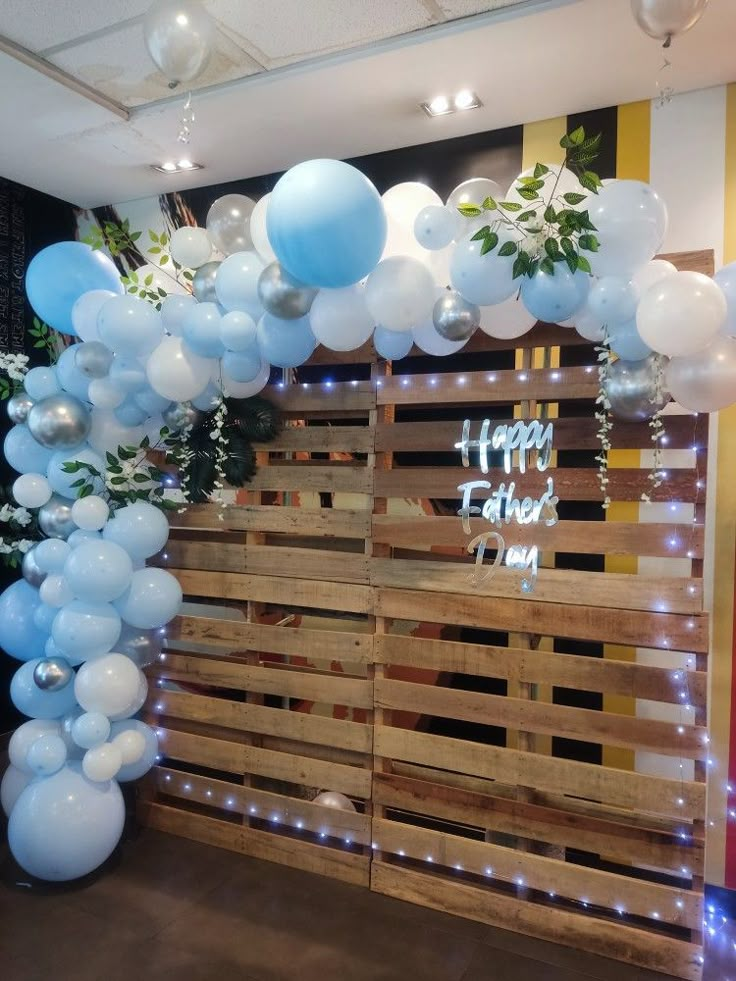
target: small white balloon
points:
(106, 393)
(90, 513)
(334, 799)
(403, 202)
(652, 273)
(32, 490)
(85, 311)
(244, 390)
(132, 745)
(259, 232)
(191, 246)
(111, 685)
(506, 320)
(176, 372)
(102, 763)
(436, 226)
(340, 319)
(399, 293)
(681, 314)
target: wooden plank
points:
(623, 788)
(308, 476)
(660, 631)
(336, 863)
(607, 939)
(535, 667)
(570, 484)
(558, 586)
(269, 560)
(660, 540)
(333, 397)
(240, 758)
(320, 439)
(702, 260)
(327, 645)
(602, 889)
(321, 522)
(617, 840)
(330, 688)
(606, 728)
(272, 589)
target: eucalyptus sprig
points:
(551, 226)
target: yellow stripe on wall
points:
(541, 142)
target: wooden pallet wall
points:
(466, 722)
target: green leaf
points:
(550, 214)
(40, 344)
(510, 206)
(589, 243)
(148, 280)
(135, 236)
(577, 136)
(188, 275)
(467, 210)
(86, 490)
(521, 264)
(572, 197)
(162, 293)
(526, 215)
(572, 263)
(164, 239)
(489, 204)
(481, 233)
(117, 481)
(152, 235)
(164, 258)
(79, 483)
(155, 250)
(145, 443)
(489, 243)
(508, 248)
(585, 222)
(540, 170)
(584, 265)
(567, 246)
(110, 458)
(71, 466)
(140, 478)
(590, 181)
(551, 247)
(533, 266)
(547, 266)
(114, 468)
(531, 183)
(527, 194)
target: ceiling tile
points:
(39, 24)
(465, 8)
(289, 31)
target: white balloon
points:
(106, 393)
(705, 381)
(474, 191)
(631, 221)
(176, 372)
(588, 326)
(403, 202)
(13, 784)
(399, 293)
(112, 685)
(236, 283)
(244, 390)
(55, 590)
(482, 279)
(506, 320)
(259, 232)
(85, 311)
(340, 319)
(681, 314)
(107, 433)
(90, 513)
(652, 273)
(436, 226)
(174, 311)
(132, 745)
(31, 490)
(190, 246)
(24, 737)
(102, 762)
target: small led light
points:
(489, 870)
(432, 382)
(208, 793)
(551, 895)
(519, 880)
(429, 858)
(404, 382)
(655, 915)
(680, 802)
(589, 370)
(523, 376)
(664, 439)
(167, 778)
(458, 867)
(491, 378)
(699, 484)
(620, 910)
(322, 834)
(354, 383)
(555, 376)
(461, 380)
(439, 105)
(679, 904)
(584, 902)
(348, 841)
(328, 383)
(401, 853)
(187, 787)
(465, 99)
(186, 164)
(252, 809)
(230, 802)
(275, 819)
(681, 730)
(280, 385)
(300, 825)
(305, 384)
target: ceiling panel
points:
(465, 8)
(41, 24)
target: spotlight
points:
(170, 167)
(441, 105)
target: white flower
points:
(24, 544)
(5, 549)
(6, 513)
(22, 517)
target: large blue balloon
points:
(285, 343)
(60, 274)
(326, 223)
(392, 344)
(23, 453)
(19, 635)
(62, 482)
(36, 702)
(553, 298)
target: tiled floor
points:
(173, 910)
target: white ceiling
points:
(293, 79)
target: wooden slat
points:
(320, 439)
(607, 939)
(327, 645)
(306, 476)
(617, 840)
(344, 865)
(320, 522)
(621, 787)
(668, 631)
(559, 586)
(581, 537)
(334, 397)
(271, 589)
(603, 889)
(606, 728)
(536, 667)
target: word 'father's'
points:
(519, 443)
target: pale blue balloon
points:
(20, 636)
(209, 399)
(65, 826)
(70, 377)
(285, 343)
(482, 279)
(83, 630)
(90, 729)
(152, 599)
(59, 274)
(23, 453)
(140, 528)
(128, 373)
(555, 297)
(82, 535)
(133, 771)
(46, 755)
(201, 330)
(626, 342)
(51, 554)
(726, 279)
(98, 571)
(237, 331)
(51, 650)
(130, 326)
(613, 299)
(41, 382)
(236, 283)
(43, 616)
(32, 701)
(129, 413)
(151, 401)
(242, 366)
(436, 226)
(392, 344)
(326, 223)
(62, 482)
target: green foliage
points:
(565, 231)
(45, 338)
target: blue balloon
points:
(20, 636)
(51, 554)
(151, 401)
(242, 366)
(85, 630)
(140, 528)
(392, 344)
(152, 599)
(70, 377)
(128, 373)
(285, 343)
(209, 399)
(33, 701)
(51, 650)
(44, 615)
(130, 413)
(98, 571)
(326, 223)
(553, 298)
(82, 535)
(62, 482)
(63, 826)
(626, 341)
(132, 771)
(201, 330)
(23, 453)
(60, 274)
(237, 331)
(40, 382)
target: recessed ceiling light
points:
(441, 105)
(169, 167)
(465, 99)
(186, 165)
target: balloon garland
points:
(163, 356)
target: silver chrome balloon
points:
(454, 318)
(665, 19)
(228, 223)
(31, 572)
(52, 674)
(59, 422)
(282, 295)
(19, 405)
(635, 388)
(179, 415)
(55, 518)
(93, 359)
(141, 646)
(180, 36)
(203, 283)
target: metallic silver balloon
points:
(52, 674)
(228, 223)
(635, 388)
(180, 36)
(93, 359)
(454, 318)
(332, 798)
(141, 646)
(59, 422)
(19, 405)
(203, 283)
(179, 415)
(31, 572)
(665, 19)
(282, 295)
(55, 518)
